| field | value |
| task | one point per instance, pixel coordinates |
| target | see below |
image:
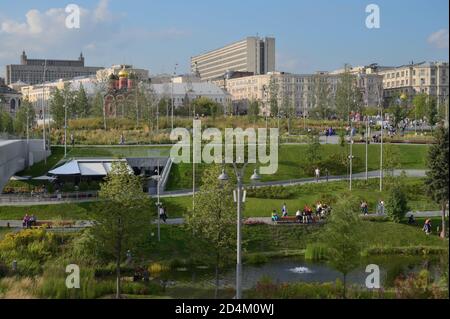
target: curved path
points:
(182, 193)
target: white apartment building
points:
(180, 92)
(252, 54)
(431, 78)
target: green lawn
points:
(254, 207)
(292, 156)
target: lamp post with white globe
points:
(239, 198)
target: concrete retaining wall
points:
(16, 155)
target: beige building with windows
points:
(253, 54)
(295, 90)
(431, 78)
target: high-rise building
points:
(253, 54)
(32, 72)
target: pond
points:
(183, 282)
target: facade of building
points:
(431, 78)
(10, 100)
(140, 74)
(296, 90)
(190, 91)
(252, 54)
(369, 82)
(35, 71)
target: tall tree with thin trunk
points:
(122, 217)
(343, 238)
(437, 177)
(215, 217)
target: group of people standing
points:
(305, 216)
(29, 221)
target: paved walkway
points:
(186, 192)
(179, 221)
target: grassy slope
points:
(177, 242)
(290, 157)
(254, 207)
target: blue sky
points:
(311, 35)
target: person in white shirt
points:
(317, 171)
(298, 215)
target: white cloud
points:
(439, 39)
(102, 13)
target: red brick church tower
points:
(119, 89)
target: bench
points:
(53, 224)
(287, 220)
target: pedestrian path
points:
(179, 221)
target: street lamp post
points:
(65, 125)
(381, 136)
(172, 99)
(43, 111)
(158, 203)
(239, 199)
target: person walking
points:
(284, 211)
(72, 140)
(317, 173)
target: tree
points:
(343, 237)
(26, 110)
(81, 104)
(432, 111)
(347, 96)
(273, 97)
(437, 177)
(391, 157)
(253, 110)
(6, 122)
(57, 108)
(321, 97)
(397, 204)
(122, 217)
(215, 216)
(420, 105)
(206, 106)
(313, 152)
(398, 111)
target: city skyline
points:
(112, 32)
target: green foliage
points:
(437, 181)
(30, 248)
(6, 122)
(214, 216)
(121, 220)
(348, 97)
(316, 252)
(273, 192)
(397, 204)
(207, 107)
(25, 112)
(273, 97)
(253, 110)
(342, 237)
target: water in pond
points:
(301, 270)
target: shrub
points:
(397, 204)
(256, 259)
(316, 252)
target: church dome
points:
(123, 73)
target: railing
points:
(165, 174)
(46, 197)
